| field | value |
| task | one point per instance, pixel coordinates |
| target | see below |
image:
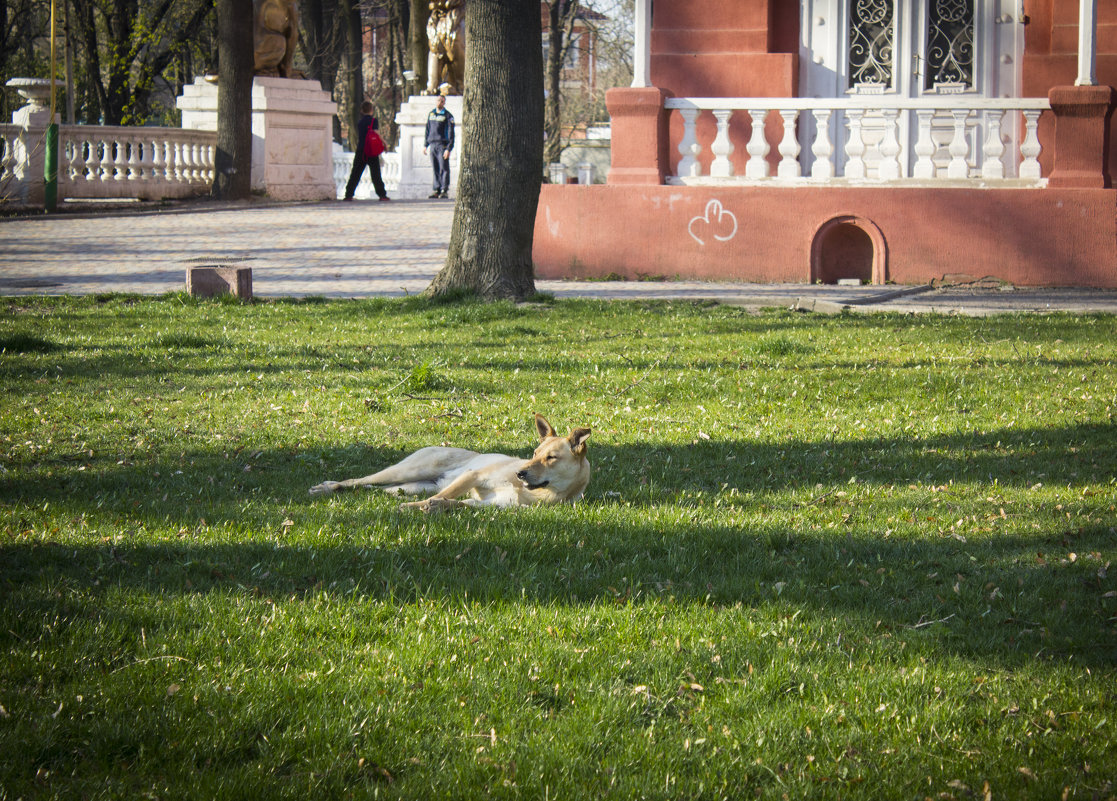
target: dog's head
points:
(559, 464)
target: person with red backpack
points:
(369, 148)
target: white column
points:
(642, 56)
(1087, 42)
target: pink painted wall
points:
(1029, 237)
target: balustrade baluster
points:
(889, 167)
(180, 163)
(992, 167)
(689, 147)
(106, 169)
(199, 166)
(210, 174)
(120, 160)
(722, 148)
(823, 148)
(158, 162)
(135, 160)
(86, 154)
(959, 146)
(758, 147)
(855, 146)
(789, 146)
(924, 146)
(1030, 147)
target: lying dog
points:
(557, 472)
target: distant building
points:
(904, 141)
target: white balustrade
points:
(869, 140)
(102, 161)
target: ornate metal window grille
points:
(872, 37)
(950, 43)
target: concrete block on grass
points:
(209, 280)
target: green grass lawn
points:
(820, 557)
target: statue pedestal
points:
(416, 175)
(292, 134)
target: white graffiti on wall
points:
(718, 220)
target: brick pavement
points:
(369, 249)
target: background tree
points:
(322, 39)
(501, 156)
(575, 86)
(24, 29)
(352, 77)
(233, 159)
(126, 47)
(560, 18)
(418, 46)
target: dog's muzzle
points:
(523, 476)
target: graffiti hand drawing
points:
(720, 217)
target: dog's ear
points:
(577, 440)
(543, 427)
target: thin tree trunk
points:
(419, 47)
(354, 74)
(233, 158)
(561, 15)
(502, 154)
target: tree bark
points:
(502, 154)
(354, 69)
(561, 15)
(418, 45)
(233, 158)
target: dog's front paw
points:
(430, 505)
(325, 488)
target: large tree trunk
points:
(502, 153)
(233, 159)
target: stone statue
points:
(276, 33)
(446, 64)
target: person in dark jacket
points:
(364, 125)
(440, 141)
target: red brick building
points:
(886, 140)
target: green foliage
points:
(859, 556)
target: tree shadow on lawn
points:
(1003, 598)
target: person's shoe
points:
(443, 195)
(384, 199)
(434, 195)
(347, 198)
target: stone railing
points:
(101, 161)
(343, 165)
(858, 139)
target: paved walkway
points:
(368, 249)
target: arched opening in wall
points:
(848, 248)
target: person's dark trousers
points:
(359, 163)
(441, 167)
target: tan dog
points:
(557, 472)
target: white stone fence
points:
(865, 139)
(105, 161)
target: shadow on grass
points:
(1000, 599)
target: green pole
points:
(50, 162)
(50, 169)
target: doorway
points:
(954, 49)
